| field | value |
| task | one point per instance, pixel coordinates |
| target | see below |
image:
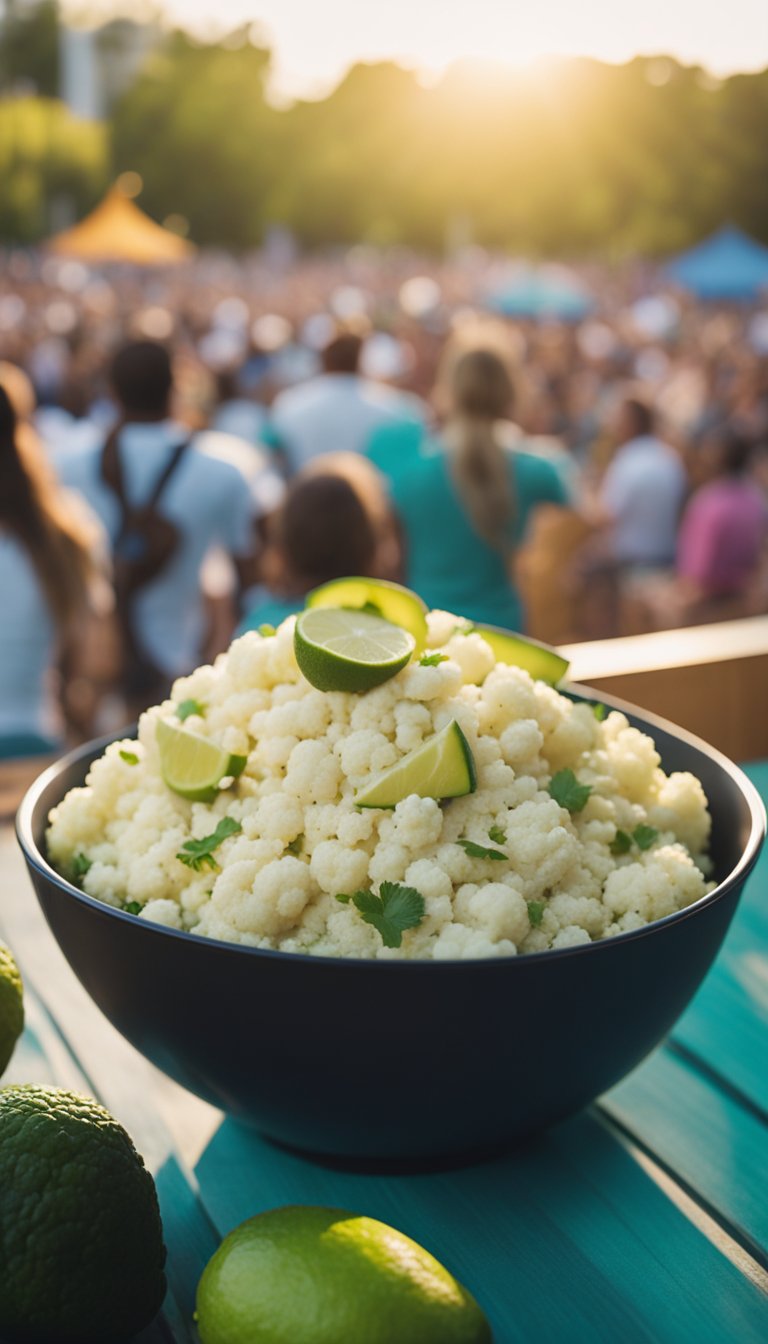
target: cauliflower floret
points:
(496, 908)
(571, 936)
(521, 742)
(417, 822)
(681, 807)
(267, 902)
(662, 881)
(364, 753)
(313, 772)
(278, 816)
(543, 850)
(165, 912)
(337, 868)
(473, 656)
(456, 942)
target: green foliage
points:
(46, 154)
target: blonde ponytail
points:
(481, 396)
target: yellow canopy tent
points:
(118, 230)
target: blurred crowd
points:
(185, 453)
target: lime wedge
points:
(442, 767)
(342, 650)
(192, 765)
(390, 600)
(541, 660)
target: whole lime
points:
(303, 1275)
(11, 1006)
(81, 1242)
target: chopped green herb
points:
(645, 836)
(198, 854)
(80, 865)
(267, 631)
(481, 851)
(498, 835)
(133, 908)
(432, 659)
(188, 707)
(296, 846)
(536, 912)
(621, 843)
(599, 711)
(129, 757)
(395, 909)
(466, 628)
(566, 790)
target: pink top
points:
(722, 534)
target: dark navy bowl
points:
(399, 1061)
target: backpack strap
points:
(112, 473)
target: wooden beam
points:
(710, 679)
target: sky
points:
(315, 41)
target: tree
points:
(46, 155)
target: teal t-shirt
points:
(447, 562)
(268, 610)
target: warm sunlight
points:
(316, 43)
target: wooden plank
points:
(717, 1148)
(567, 1240)
(709, 679)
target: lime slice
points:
(442, 767)
(541, 660)
(390, 600)
(342, 650)
(191, 765)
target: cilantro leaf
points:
(198, 854)
(129, 757)
(621, 843)
(498, 835)
(266, 630)
(566, 790)
(645, 836)
(432, 659)
(344, 896)
(395, 909)
(599, 711)
(481, 851)
(296, 846)
(536, 912)
(80, 865)
(132, 908)
(188, 707)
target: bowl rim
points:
(759, 824)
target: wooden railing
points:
(711, 679)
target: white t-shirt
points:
(643, 491)
(336, 413)
(29, 643)
(210, 500)
(29, 639)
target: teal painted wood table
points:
(642, 1221)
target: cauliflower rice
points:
(303, 840)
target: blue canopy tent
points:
(729, 265)
(544, 293)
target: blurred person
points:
(642, 491)
(466, 497)
(721, 553)
(335, 520)
(55, 600)
(235, 412)
(338, 410)
(156, 488)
